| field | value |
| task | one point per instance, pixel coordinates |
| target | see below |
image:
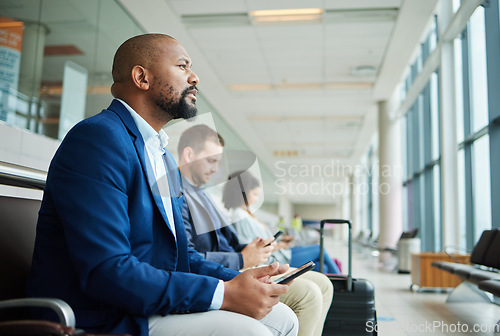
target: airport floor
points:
(405, 312)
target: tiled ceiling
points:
(294, 62)
(301, 94)
(298, 94)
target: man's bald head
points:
(139, 50)
(152, 74)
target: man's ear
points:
(188, 154)
(140, 77)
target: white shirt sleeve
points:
(218, 297)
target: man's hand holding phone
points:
(285, 242)
(252, 292)
(255, 253)
(287, 278)
(276, 236)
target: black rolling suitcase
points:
(353, 308)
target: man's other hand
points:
(256, 253)
(252, 292)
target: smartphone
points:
(276, 235)
(292, 275)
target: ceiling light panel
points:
(278, 4)
(288, 15)
(216, 20)
(361, 4)
(286, 12)
(353, 16)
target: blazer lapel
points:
(177, 199)
(194, 197)
(139, 145)
(197, 208)
(201, 217)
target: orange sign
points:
(11, 33)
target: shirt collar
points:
(151, 138)
(195, 187)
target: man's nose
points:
(193, 78)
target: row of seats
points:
(366, 239)
(17, 238)
(483, 274)
(372, 243)
(492, 286)
(485, 260)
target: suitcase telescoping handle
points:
(321, 244)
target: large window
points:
(422, 183)
(56, 62)
(462, 227)
(492, 24)
(472, 131)
(481, 183)
(421, 134)
(476, 71)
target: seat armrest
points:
(61, 308)
(36, 328)
(43, 328)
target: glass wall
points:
(422, 183)
(476, 63)
(472, 133)
(492, 24)
(422, 152)
(55, 60)
(55, 65)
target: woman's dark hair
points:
(238, 184)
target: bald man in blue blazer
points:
(110, 235)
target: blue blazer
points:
(103, 243)
(208, 243)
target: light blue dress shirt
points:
(155, 148)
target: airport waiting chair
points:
(17, 236)
(484, 259)
(491, 286)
